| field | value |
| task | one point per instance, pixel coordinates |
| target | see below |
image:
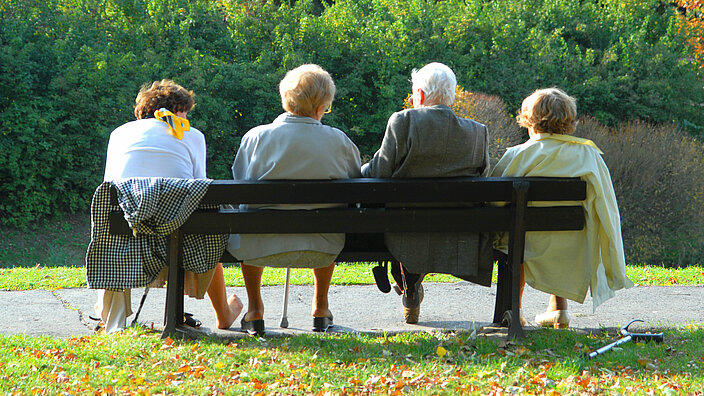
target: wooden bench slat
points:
(388, 191)
(369, 220)
(367, 190)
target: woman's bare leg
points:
(226, 310)
(322, 278)
(557, 303)
(252, 282)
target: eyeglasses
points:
(329, 109)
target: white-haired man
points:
(429, 140)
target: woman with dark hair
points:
(161, 143)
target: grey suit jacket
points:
(434, 142)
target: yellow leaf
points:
(441, 351)
(219, 365)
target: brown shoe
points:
(411, 306)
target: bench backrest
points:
(371, 193)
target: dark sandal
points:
(253, 327)
(189, 320)
(321, 325)
(381, 277)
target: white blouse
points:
(146, 148)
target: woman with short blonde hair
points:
(296, 145)
(566, 264)
(306, 88)
(549, 110)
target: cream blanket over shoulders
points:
(568, 263)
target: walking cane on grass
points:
(628, 337)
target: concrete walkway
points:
(460, 306)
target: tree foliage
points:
(70, 69)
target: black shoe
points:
(189, 320)
(253, 327)
(321, 325)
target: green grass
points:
(139, 362)
(38, 277)
(51, 243)
(545, 362)
(651, 275)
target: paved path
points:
(447, 306)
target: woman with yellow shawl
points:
(567, 263)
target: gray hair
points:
(437, 81)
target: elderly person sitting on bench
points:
(567, 263)
(429, 140)
(296, 145)
(161, 143)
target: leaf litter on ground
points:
(546, 362)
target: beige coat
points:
(568, 263)
(434, 142)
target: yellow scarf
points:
(177, 125)
(568, 139)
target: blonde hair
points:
(306, 88)
(162, 94)
(549, 110)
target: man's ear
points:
(421, 95)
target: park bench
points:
(365, 217)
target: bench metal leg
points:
(517, 240)
(503, 287)
(173, 320)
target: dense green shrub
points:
(70, 69)
(658, 175)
